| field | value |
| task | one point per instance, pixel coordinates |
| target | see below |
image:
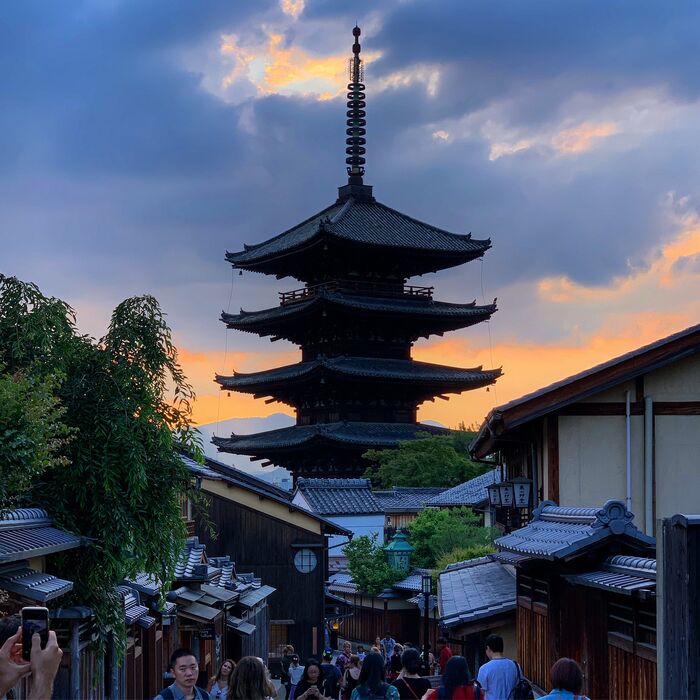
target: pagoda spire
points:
(356, 122)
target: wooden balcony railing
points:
(370, 288)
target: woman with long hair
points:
(351, 677)
(311, 686)
(409, 684)
(372, 683)
(250, 681)
(456, 683)
(218, 686)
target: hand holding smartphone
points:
(35, 620)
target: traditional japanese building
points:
(355, 320)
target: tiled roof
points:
(239, 625)
(621, 574)
(34, 585)
(238, 477)
(470, 493)
(27, 533)
(560, 533)
(359, 433)
(453, 315)
(473, 590)
(368, 223)
(342, 582)
(133, 610)
(456, 378)
(339, 496)
(253, 596)
(412, 582)
(407, 498)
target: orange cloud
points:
(293, 8)
(275, 67)
(528, 367)
(580, 138)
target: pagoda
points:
(355, 320)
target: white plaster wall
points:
(677, 465)
(617, 393)
(677, 382)
(592, 461)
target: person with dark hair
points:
(331, 674)
(395, 662)
(456, 682)
(185, 669)
(372, 684)
(409, 684)
(444, 653)
(311, 685)
(567, 680)
(351, 676)
(499, 675)
(387, 644)
(218, 686)
(250, 680)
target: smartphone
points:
(34, 620)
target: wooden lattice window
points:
(632, 627)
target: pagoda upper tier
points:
(358, 237)
(335, 309)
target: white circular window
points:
(305, 561)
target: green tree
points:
(368, 565)
(32, 434)
(435, 532)
(120, 481)
(462, 554)
(429, 460)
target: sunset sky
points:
(141, 140)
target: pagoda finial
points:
(356, 123)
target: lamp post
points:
(426, 588)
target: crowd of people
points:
(389, 671)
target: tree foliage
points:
(429, 460)
(436, 532)
(32, 434)
(368, 565)
(463, 554)
(120, 480)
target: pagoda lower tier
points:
(328, 449)
(344, 388)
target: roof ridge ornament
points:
(614, 515)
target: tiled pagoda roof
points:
(384, 369)
(365, 222)
(349, 433)
(444, 315)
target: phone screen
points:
(34, 621)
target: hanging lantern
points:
(522, 488)
(494, 495)
(506, 492)
(398, 552)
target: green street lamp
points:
(398, 552)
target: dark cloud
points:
(120, 172)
